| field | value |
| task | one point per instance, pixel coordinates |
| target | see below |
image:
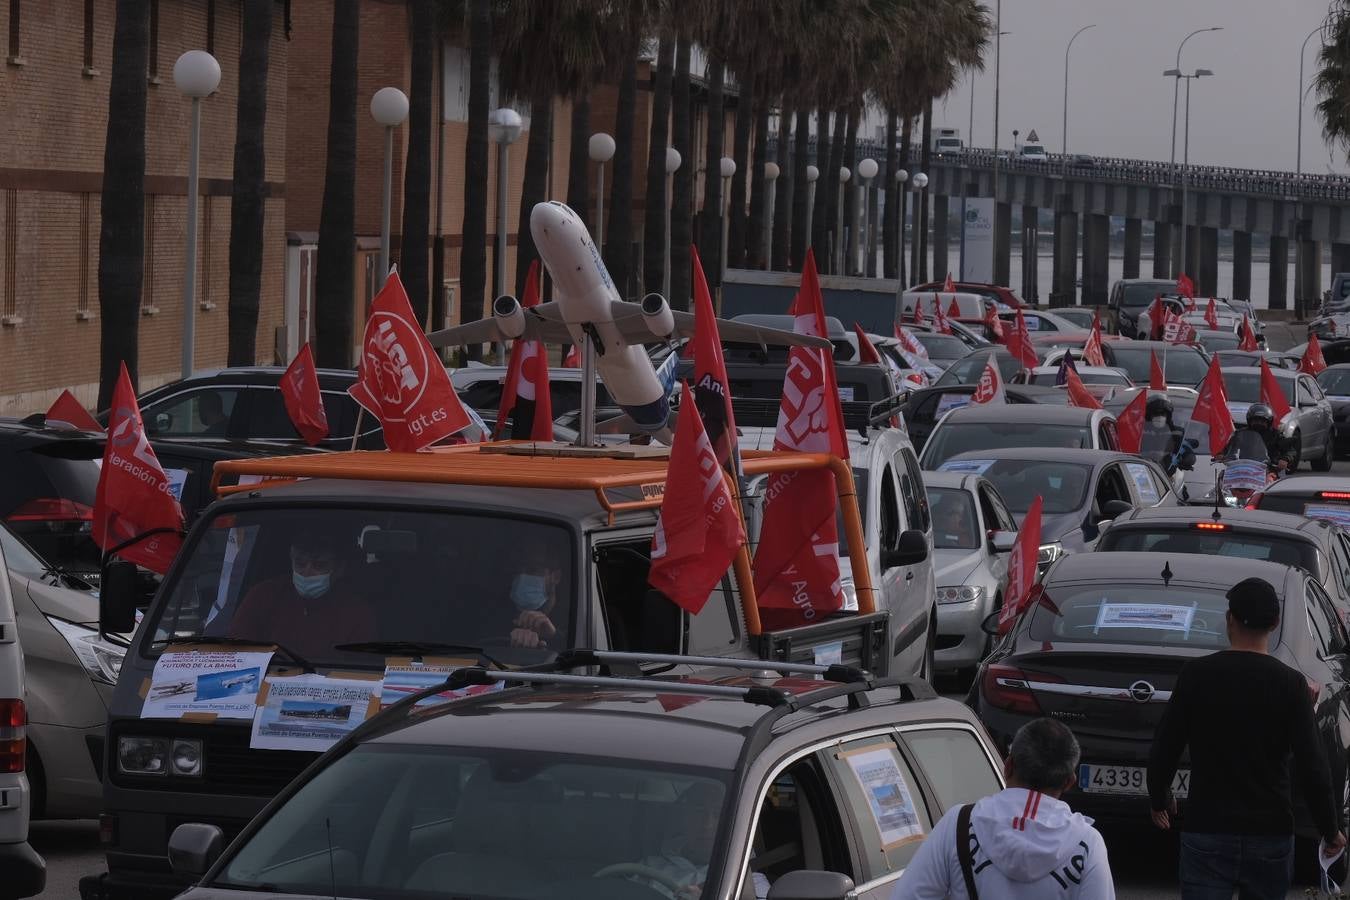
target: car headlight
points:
(964, 593)
(1048, 553)
(143, 755)
(186, 758)
(100, 658)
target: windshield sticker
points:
(402, 679)
(831, 654)
(1245, 475)
(311, 712)
(888, 796)
(1336, 515)
(1148, 491)
(177, 479)
(220, 683)
(973, 466)
(845, 394)
(949, 402)
(1156, 616)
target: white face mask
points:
(1160, 421)
(311, 586)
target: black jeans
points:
(1258, 867)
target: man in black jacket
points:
(1243, 714)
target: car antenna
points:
(1166, 573)
(332, 873)
(1218, 493)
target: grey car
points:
(992, 426)
(751, 784)
(1310, 424)
(973, 530)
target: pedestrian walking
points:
(1023, 842)
(1244, 715)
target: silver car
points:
(972, 534)
(1309, 424)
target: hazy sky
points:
(1119, 102)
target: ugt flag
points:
(301, 396)
(1022, 567)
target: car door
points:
(923, 414)
(898, 585)
(183, 414)
(1314, 414)
(1327, 675)
(914, 504)
(994, 517)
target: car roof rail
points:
(578, 657)
(470, 676)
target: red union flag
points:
(68, 410)
(526, 398)
(712, 390)
(1156, 311)
(949, 286)
(990, 387)
(1212, 316)
(1130, 425)
(573, 358)
(1248, 341)
(867, 351)
(1211, 409)
(940, 321)
(401, 380)
(300, 394)
(1092, 350)
(1020, 344)
(134, 495)
(1079, 395)
(995, 325)
(1185, 287)
(1312, 361)
(1156, 380)
(1022, 567)
(1272, 394)
(699, 531)
(1176, 330)
(796, 566)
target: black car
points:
(923, 407)
(1317, 496)
(1183, 365)
(969, 368)
(1335, 382)
(1273, 358)
(1100, 646)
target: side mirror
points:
(119, 593)
(913, 549)
(23, 873)
(1002, 541)
(809, 884)
(1113, 508)
(194, 847)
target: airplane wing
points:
(633, 325)
(542, 323)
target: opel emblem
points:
(1141, 692)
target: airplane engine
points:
(510, 317)
(659, 318)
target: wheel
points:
(1323, 462)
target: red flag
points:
(796, 566)
(1079, 395)
(526, 397)
(300, 394)
(1156, 381)
(940, 318)
(1212, 316)
(1092, 350)
(1248, 341)
(995, 325)
(953, 310)
(1312, 361)
(949, 286)
(990, 387)
(401, 380)
(134, 495)
(1272, 394)
(1156, 315)
(867, 353)
(68, 410)
(1176, 330)
(699, 529)
(712, 390)
(573, 358)
(1211, 408)
(1185, 287)
(917, 312)
(1021, 567)
(1020, 343)
(1130, 425)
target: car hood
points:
(59, 602)
(953, 567)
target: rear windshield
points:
(941, 346)
(952, 438)
(968, 369)
(1048, 378)
(1190, 539)
(1335, 381)
(1298, 504)
(1181, 365)
(1245, 387)
(392, 575)
(1142, 614)
(1142, 294)
(1063, 486)
(47, 498)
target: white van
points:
(947, 140)
(970, 306)
(22, 871)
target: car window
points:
(883, 796)
(197, 413)
(1187, 538)
(955, 764)
(1111, 486)
(888, 511)
(1135, 614)
(1144, 483)
(953, 437)
(1319, 624)
(997, 516)
(912, 491)
(268, 419)
(1335, 381)
(1063, 486)
(955, 523)
(1106, 435)
(1335, 621)
(1340, 556)
(1245, 386)
(1310, 387)
(1181, 365)
(798, 827)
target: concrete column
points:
(1340, 258)
(1134, 243)
(873, 233)
(1066, 253)
(1308, 276)
(1279, 273)
(1002, 242)
(1174, 216)
(1192, 263)
(1242, 265)
(1207, 271)
(1162, 249)
(940, 223)
(1031, 256)
(1095, 286)
(1086, 258)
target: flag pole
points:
(356, 432)
(586, 431)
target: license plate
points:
(1128, 780)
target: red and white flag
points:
(953, 310)
(301, 396)
(989, 389)
(699, 530)
(68, 411)
(867, 351)
(796, 565)
(1312, 361)
(1130, 425)
(913, 353)
(1211, 409)
(1212, 316)
(1079, 395)
(1022, 567)
(917, 312)
(1156, 380)
(995, 325)
(1176, 330)
(526, 397)
(1092, 350)
(949, 286)
(940, 321)
(134, 495)
(1248, 341)
(573, 358)
(1019, 344)
(401, 380)
(712, 390)
(1185, 287)
(1157, 314)
(1272, 394)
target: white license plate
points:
(1128, 780)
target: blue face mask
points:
(311, 586)
(528, 592)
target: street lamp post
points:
(600, 148)
(770, 176)
(998, 46)
(197, 74)
(1175, 88)
(1064, 146)
(867, 170)
(812, 173)
(1186, 156)
(727, 166)
(389, 107)
(919, 182)
(901, 178)
(504, 125)
(844, 176)
(673, 161)
(1298, 172)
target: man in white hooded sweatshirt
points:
(1024, 841)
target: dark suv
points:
(803, 781)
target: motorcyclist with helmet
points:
(1162, 439)
(1280, 452)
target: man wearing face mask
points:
(310, 608)
(1162, 439)
(534, 593)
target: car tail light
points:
(1334, 495)
(1008, 687)
(13, 736)
(52, 509)
(1210, 526)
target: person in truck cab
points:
(311, 607)
(951, 528)
(534, 593)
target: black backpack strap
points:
(963, 851)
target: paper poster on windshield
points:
(888, 796)
(1244, 475)
(1335, 514)
(311, 712)
(177, 479)
(1157, 616)
(973, 466)
(219, 683)
(949, 402)
(403, 679)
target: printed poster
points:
(1157, 616)
(222, 683)
(831, 654)
(973, 466)
(1245, 475)
(888, 796)
(949, 402)
(1336, 514)
(403, 678)
(311, 712)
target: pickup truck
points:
(434, 541)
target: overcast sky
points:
(1119, 102)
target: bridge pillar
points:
(1308, 276)
(1002, 243)
(1279, 273)
(1162, 249)
(1066, 253)
(1242, 265)
(1134, 244)
(1096, 278)
(1191, 264)
(1340, 258)
(1207, 270)
(940, 224)
(1031, 256)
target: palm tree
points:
(473, 248)
(682, 193)
(710, 219)
(850, 223)
(754, 237)
(800, 160)
(835, 225)
(578, 160)
(337, 218)
(891, 214)
(782, 200)
(247, 199)
(746, 117)
(1333, 75)
(654, 230)
(826, 185)
(619, 236)
(121, 242)
(414, 249)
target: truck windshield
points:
(313, 578)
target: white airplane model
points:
(588, 307)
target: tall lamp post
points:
(1298, 170)
(844, 176)
(504, 127)
(919, 181)
(901, 178)
(1176, 85)
(600, 148)
(812, 173)
(1064, 146)
(389, 107)
(727, 166)
(197, 74)
(673, 161)
(867, 170)
(1186, 156)
(770, 176)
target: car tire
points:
(1323, 462)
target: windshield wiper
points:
(223, 640)
(415, 648)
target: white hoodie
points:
(1024, 844)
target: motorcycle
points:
(1247, 469)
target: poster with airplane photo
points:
(223, 683)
